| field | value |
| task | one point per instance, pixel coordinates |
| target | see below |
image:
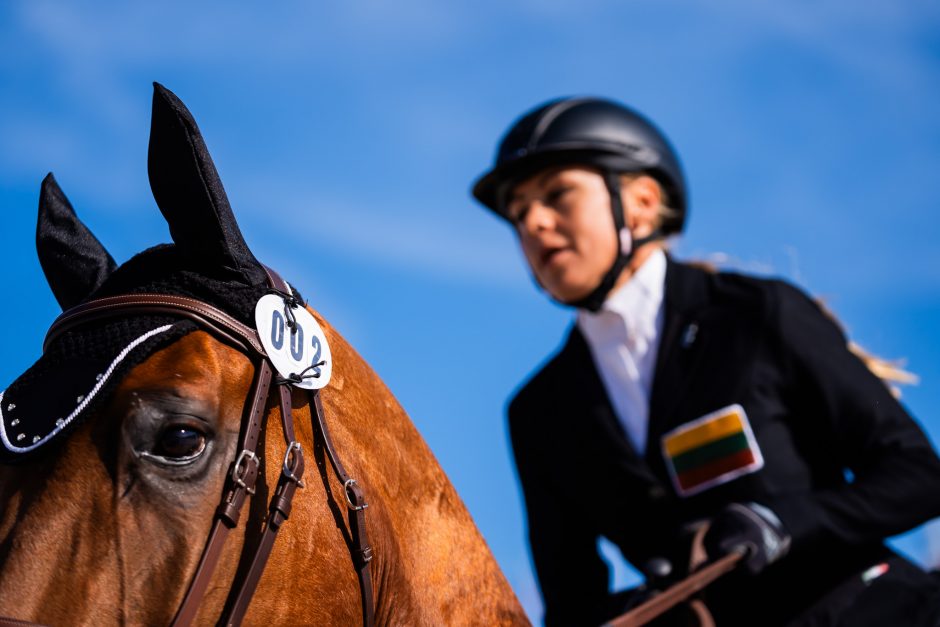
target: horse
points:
(120, 444)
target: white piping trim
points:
(88, 397)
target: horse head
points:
(123, 445)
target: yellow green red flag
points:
(711, 450)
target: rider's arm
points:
(893, 472)
(572, 576)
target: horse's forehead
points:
(193, 357)
(196, 364)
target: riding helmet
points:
(585, 131)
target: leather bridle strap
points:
(241, 484)
(356, 504)
(355, 500)
(279, 509)
(244, 471)
(243, 474)
(677, 593)
(220, 323)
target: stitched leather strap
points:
(675, 594)
(356, 505)
(224, 325)
(243, 473)
(240, 484)
(291, 476)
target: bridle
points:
(243, 473)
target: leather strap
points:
(240, 484)
(356, 505)
(675, 594)
(278, 511)
(204, 314)
(243, 473)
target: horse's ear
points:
(190, 195)
(74, 261)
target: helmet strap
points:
(626, 248)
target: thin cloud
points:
(426, 247)
(875, 40)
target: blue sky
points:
(347, 135)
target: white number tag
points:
(296, 350)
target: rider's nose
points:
(538, 218)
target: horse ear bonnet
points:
(208, 261)
(74, 261)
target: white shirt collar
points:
(624, 338)
(636, 304)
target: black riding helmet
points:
(593, 132)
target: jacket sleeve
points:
(895, 473)
(572, 576)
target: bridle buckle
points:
(240, 471)
(349, 490)
(291, 460)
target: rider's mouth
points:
(552, 255)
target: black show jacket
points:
(816, 412)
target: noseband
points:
(243, 473)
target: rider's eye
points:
(180, 442)
(515, 213)
(556, 194)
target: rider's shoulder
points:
(735, 287)
(548, 381)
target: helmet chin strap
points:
(626, 248)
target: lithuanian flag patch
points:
(711, 450)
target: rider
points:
(688, 400)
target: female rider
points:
(685, 399)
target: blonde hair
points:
(890, 371)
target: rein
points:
(679, 592)
(243, 474)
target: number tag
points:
(299, 350)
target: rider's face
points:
(566, 229)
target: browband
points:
(223, 325)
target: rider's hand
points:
(751, 526)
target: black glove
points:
(751, 526)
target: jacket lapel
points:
(603, 431)
(685, 337)
(591, 394)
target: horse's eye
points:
(180, 442)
